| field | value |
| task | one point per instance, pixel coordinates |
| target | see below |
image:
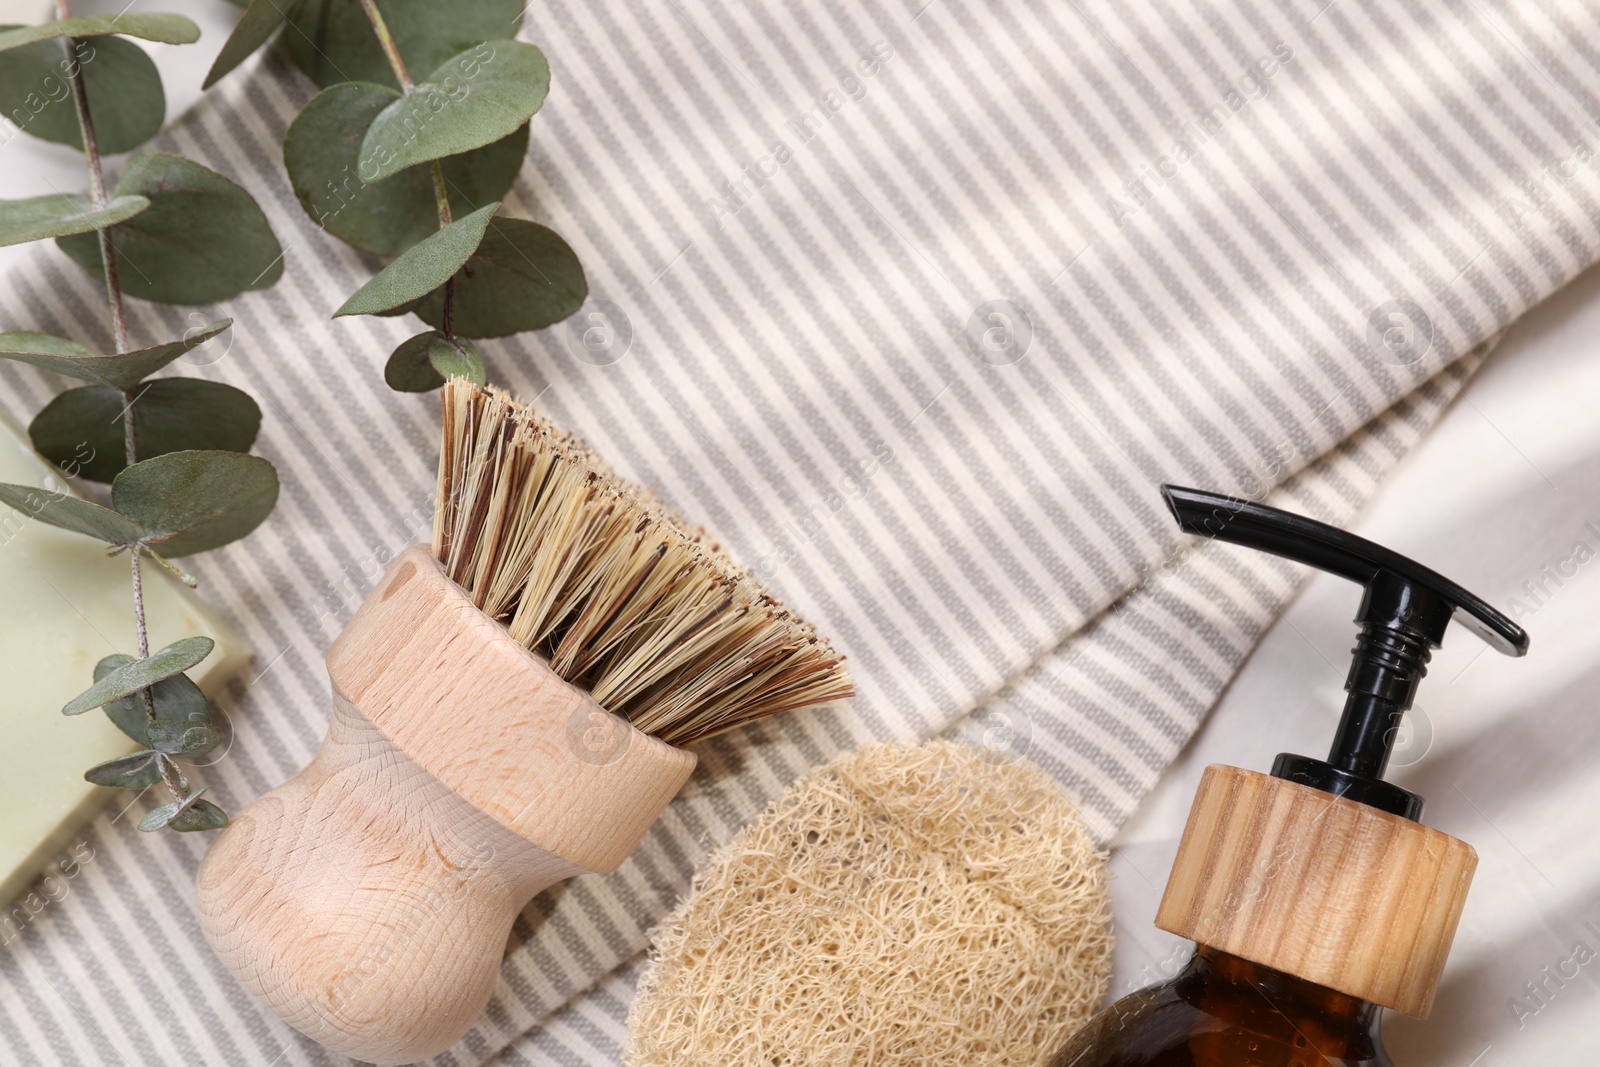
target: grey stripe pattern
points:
(1113, 706)
(923, 301)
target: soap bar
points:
(68, 604)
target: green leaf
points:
(322, 154)
(136, 770)
(422, 267)
(168, 29)
(332, 41)
(522, 277)
(127, 714)
(409, 370)
(201, 815)
(120, 80)
(203, 239)
(195, 501)
(156, 818)
(402, 309)
(43, 350)
(454, 357)
(422, 363)
(70, 513)
(81, 430)
(139, 673)
(190, 813)
(61, 214)
(118, 371)
(179, 738)
(176, 699)
(475, 98)
(260, 21)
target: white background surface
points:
(1503, 487)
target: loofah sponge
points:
(902, 905)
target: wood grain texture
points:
(368, 899)
(1320, 887)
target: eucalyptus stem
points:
(391, 51)
(108, 252)
(97, 189)
(397, 64)
(442, 198)
(176, 783)
(130, 440)
(140, 628)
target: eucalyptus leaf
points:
(120, 371)
(422, 267)
(120, 80)
(127, 714)
(201, 815)
(139, 673)
(454, 357)
(167, 29)
(195, 501)
(203, 239)
(180, 738)
(156, 818)
(322, 154)
(409, 369)
(175, 699)
(43, 350)
(522, 277)
(136, 770)
(402, 309)
(70, 513)
(422, 363)
(190, 813)
(81, 430)
(61, 214)
(332, 41)
(474, 99)
(259, 22)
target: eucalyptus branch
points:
(198, 487)
(450, 116)
(108, 253)
(97, 187)
(441, 197)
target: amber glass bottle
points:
(1315, 894)
(1222, 1011)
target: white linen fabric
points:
(921, 304)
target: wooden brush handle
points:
(368, 899)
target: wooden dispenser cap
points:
(1331, 891)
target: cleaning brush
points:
(617, 593)
(507, 709)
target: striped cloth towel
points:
(915, 305)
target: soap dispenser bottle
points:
(1314, 895)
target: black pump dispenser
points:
(1310, 908)
(1404, 613)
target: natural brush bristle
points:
(610, 586)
